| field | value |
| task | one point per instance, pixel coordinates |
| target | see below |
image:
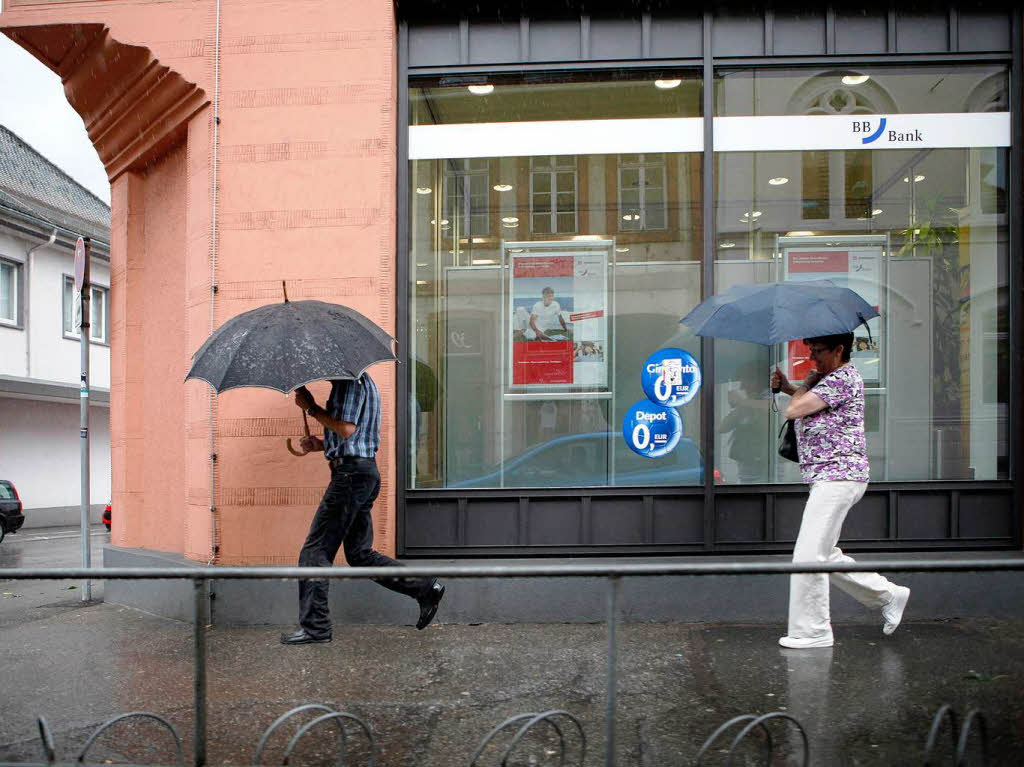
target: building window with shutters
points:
(642, 201)
(553, 195)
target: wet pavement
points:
(432, 696)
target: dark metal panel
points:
(789, 510)
(1016, 414)
(616, 38)
(923, 516)
(555, 40)
(985, 515)
(678, 520)
(987, 30)
(922, 32)
(432, 523)
(860, 32)
(492, 523)
(494, 43)
(556, 522)
(736, 32)
(707, 347)
(869, 519)
(676, 38)
(741, 518)
(433, 45)
(617, 520)
(799, 33)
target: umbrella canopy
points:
(772, 313)
(283, 346)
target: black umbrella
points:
(287, 345)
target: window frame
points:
(552, 172)
(16, 320)
(66, 321)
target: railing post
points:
(614, 587)
(199, 668)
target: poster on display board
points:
(861, 268)
(558, 320)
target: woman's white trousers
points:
(822, 522)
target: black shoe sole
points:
(428, 616)
(310, 640)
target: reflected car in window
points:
(594, 459)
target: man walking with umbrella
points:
(351, 421)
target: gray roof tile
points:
(31, 184)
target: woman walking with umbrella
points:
(831, 447)
(829, 412)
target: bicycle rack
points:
(959, 737)
(752, 723)
(328, 714)
(531, 720)
(131, 715)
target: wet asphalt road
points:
(45, 547)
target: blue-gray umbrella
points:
(772, 313)
(284, 346)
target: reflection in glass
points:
(920, 232)
(473, 426)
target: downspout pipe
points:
(28, 299)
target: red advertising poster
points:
(558, 320)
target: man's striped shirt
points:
(356, 402)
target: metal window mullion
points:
(1016, 275)
(708, 281)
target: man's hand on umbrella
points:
(311, 444)
(303, 398)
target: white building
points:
(42, 214)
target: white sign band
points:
(732, 134)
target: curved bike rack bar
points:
(132, 715)
(945, 712)
(715, 735)
(759, 722)
(46, 738)
(285, 717)
(974, 715)
(340, 716)
(549, 717)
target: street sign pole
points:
(82, 286)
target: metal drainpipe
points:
(214, 542)
(28, 299)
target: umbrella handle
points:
(291, 449)
(305, 422)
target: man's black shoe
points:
(303, 637)
(428, 604)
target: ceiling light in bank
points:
(421, 282)
(666, 85)
(444, 221)
(876, 212)
(918, 177)
(510, 220)
(727, 244)
(855, 79)
(423, 190)
(622, 250)
(483, 261)
(778, 181)
(800, 233)
(480, 90)
(502, 187)
(631, 217)
(587, 237)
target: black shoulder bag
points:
(787, 437)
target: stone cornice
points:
(134, 108)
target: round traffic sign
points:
(79, 264)
(651, 430)
(671, 377)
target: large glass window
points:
(914, 219)
(534, 301)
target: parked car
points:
(11, 516)
(106, 517)
(586, 460)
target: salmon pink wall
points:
(305, 169)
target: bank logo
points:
(864, 126)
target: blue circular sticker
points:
(671, 377)
(652, 430)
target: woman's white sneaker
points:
(893, 612)
(806, 643)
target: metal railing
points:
(612, 572)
